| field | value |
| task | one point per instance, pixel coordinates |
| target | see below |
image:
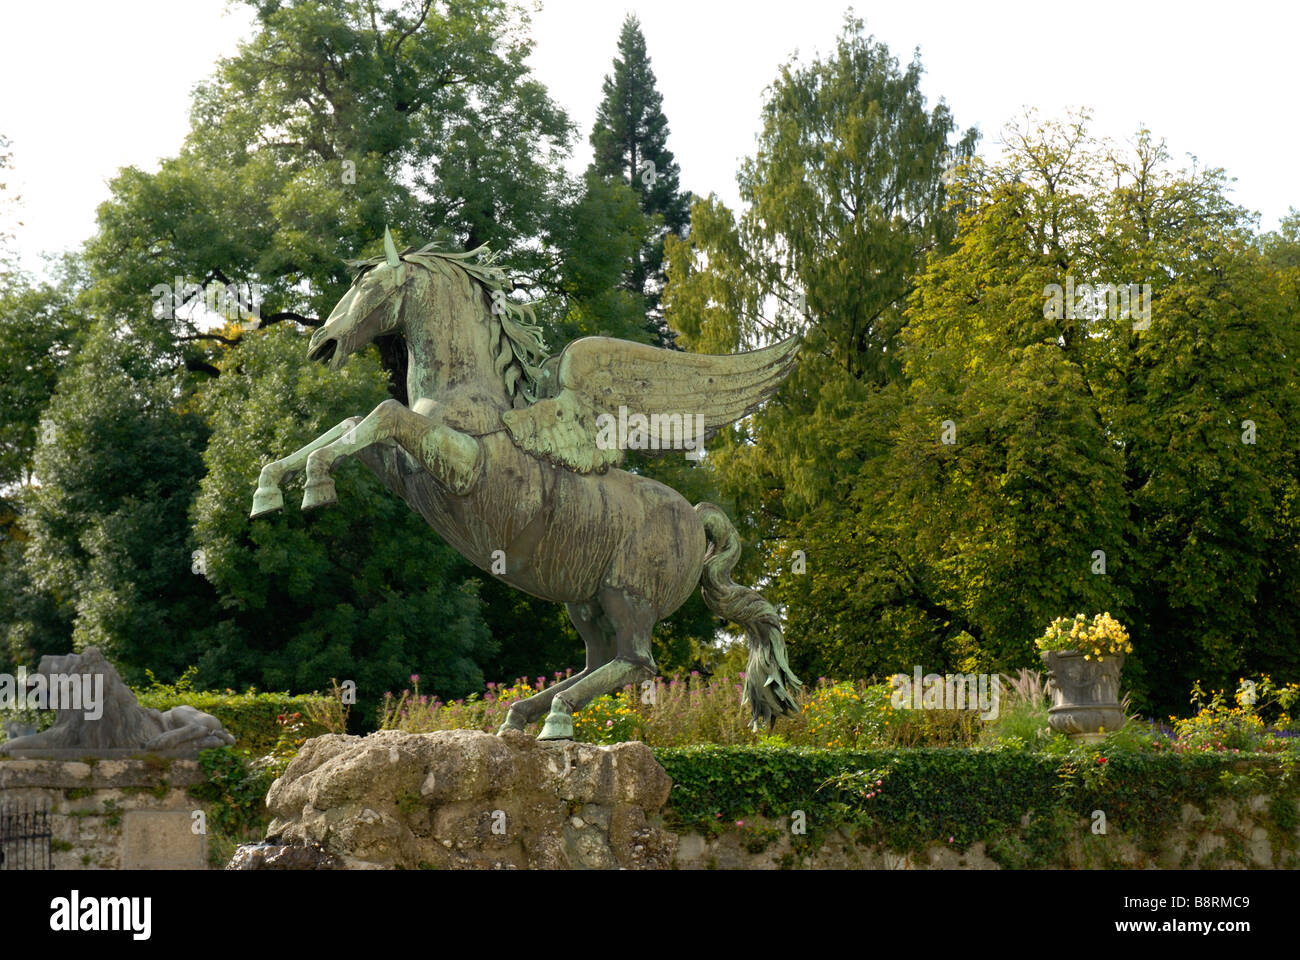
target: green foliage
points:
(1019, 725)
(255, 720)
(1085, 432)
(40, 328)
(695, 709)
(596, 232)
(949, 468)
(609, 719)
(1242, 722)
(107, 551)
(629, 141)
(234, 797)
(920, 294)
(906, 799)
(845, 198)
(415, 712)
(333, 120)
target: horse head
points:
(454, 313)
(371, 308)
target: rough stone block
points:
(162, 840)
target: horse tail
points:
(769, 682)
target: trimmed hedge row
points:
(928, 795)
(251, 718)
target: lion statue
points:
(117, 721)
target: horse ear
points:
(390, 249)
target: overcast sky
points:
(88, 86)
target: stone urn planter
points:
(1085, 693)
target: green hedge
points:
(931, 795)
(251, 718)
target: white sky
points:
(88, 86)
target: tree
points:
(594, 232)
(335, 119)
(630, 140)
(41, 327)
(846, 198)
(106, 531)
(1137, 463)
(7, 199)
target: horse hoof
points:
(266, 500)
(509, 725)
(558, 726)
(319, 493)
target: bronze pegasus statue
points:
(507, 453)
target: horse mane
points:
(521, 349)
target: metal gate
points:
(25, 838)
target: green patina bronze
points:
(505, 452)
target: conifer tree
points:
(630, 139)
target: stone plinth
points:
(113, 813)
(462, 799)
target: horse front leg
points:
(453, 458)
(600, 643)
(269, 497)
(633, 621)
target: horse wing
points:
(596, 376)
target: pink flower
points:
(879, 782)
(950, 839)
(415, 678)
(609, 723)
(740, 823)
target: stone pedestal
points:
(112, 813)
(463, 799)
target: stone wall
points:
(464, 799)
(1232, 835)
(469, 800)
(109, 814)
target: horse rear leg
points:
(598, 634)
(633, 620)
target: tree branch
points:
(417, 25)
(289, 315)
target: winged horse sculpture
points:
(501, 451)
